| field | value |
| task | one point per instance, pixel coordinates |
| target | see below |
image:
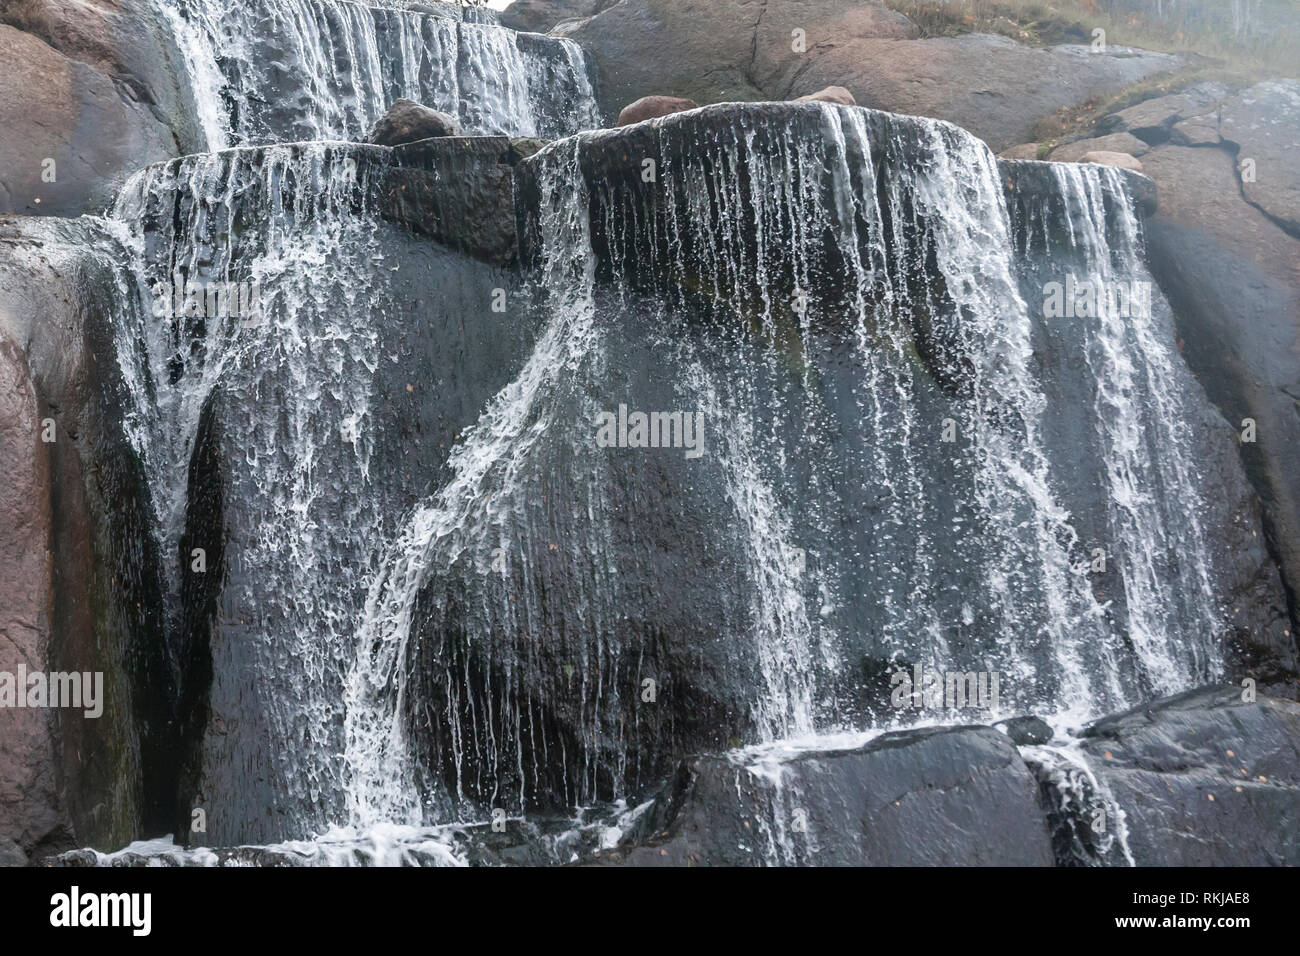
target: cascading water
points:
(883, 472)
(808, 279)
(288, 70)
(292, 380)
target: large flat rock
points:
(952, 796)
(1205, 778)
(1264, 123)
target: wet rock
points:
(1114, 143)
(413, 303)
(407, 122)
(1024, 731)
(1204, 778)
(1122, 160)
(652, 107)
(952, 796)
(459, 191)
(832, 94)
(1264, 124)
(1232, 274)
(84, 591)
(88, 140)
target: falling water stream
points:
(408, 637)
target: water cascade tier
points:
(697, 435)
(266, 71)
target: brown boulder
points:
(407, 122)
(128, 41)
(652, 107)
(1104, 158)
(832, 94)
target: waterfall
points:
(290, 70)
(290, 374)
(808, 278)
(437, 592)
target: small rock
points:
(832, 94)
(1105, 158)
(650, 107)
(1026, 730)
(407, 121)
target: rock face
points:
(88, 140)
(407, 122)
(651, 107)
(956, 796)
(1232, 273)
(84, 592)
(1204, 779)
(28, 792)
(128, 41)
(746, 50)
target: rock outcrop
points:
(1205, 778)
(82, 593)
(726, 50)
(88, 139)
(1220, 249)
(131, 42)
